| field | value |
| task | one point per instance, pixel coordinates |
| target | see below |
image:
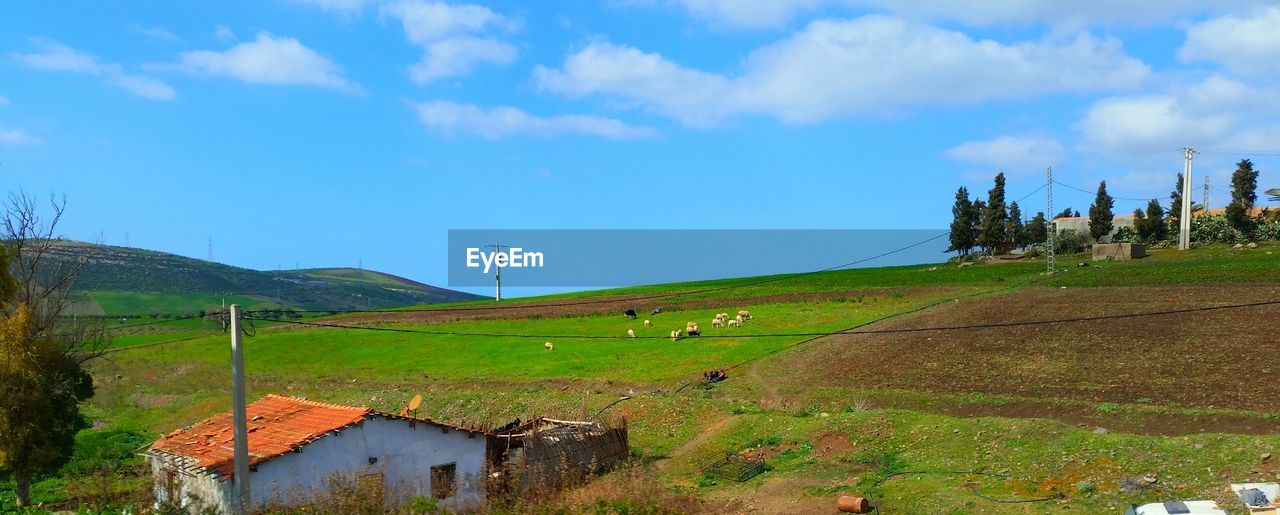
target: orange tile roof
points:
(277, 425)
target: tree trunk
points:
(23, 490)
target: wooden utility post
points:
(240, 504)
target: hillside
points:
(131, 280)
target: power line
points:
(992, 325)
(1271, 153)
(1082, 190)
(780, 277)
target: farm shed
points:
(1080, 224)
(303, 451)
(300, 450)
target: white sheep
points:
(741, 320)
(733, 322)
(746, 315)
(548, 346)
(716, 322)
(647, 323)
(631, 333)
(691, 327)
(675, 335)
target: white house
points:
(299, 448)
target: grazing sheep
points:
(695, 332)
(741, 319)
(647, 323)
(716, 322)
(631, 333)
(691, 326)
(746, 315)
(548, 346)
(656, 310)
(675, 335)
(733, 322)
(630, 313)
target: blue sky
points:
(334, 132)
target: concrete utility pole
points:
(240, 504)
(497, 272)
(1184, 234)
(1053, 223)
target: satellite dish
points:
(415, 402)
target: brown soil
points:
(1216, 359)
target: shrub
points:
(1125, 235)
(1070, 241)
(1210, 228)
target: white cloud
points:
(1075, 14)
(224, 33)
(17, 137)
(1013, 154)
(269, 60)
(737, 13)
(158, 33)
(451, 37)
(457, 56)
(58, 57)
(342, 6)
(1245, 44)
(502, 121)
(1217, 111)
(873, 65)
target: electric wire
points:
(1082, 190)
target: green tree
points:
(992, 232)
(1274, 194)
(1038, 229)
(1140, 224)
(1016, 234)
(1175, 199)
(1101, 219)
(42, 379)
(963, 228)
(1157, 226)
(1066, 213)
(1244, 193)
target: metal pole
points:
(1205, 203)
(1184, 221)
(1053, 221)
(239, 418)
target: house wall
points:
(1081, 225)
(404, 457)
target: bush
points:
(1210, 228)
(1070, 241)
(1125, 235)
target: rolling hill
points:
(121, 280)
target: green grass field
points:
(163, 377)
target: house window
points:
(444, 480)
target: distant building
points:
(300, 451)
(1080, 224)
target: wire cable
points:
(1082, 190)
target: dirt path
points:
(707, 432)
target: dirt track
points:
(1222, 359)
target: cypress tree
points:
(992, 233)
(1244, 193)
(1038, 229)
(962, 226)
(1155, 221)
(1016, 234)
(1101, 219)
(1175, 199)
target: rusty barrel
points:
(851, 504)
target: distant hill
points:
(120, 280)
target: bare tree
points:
(42, 352)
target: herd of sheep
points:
(690, 329)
